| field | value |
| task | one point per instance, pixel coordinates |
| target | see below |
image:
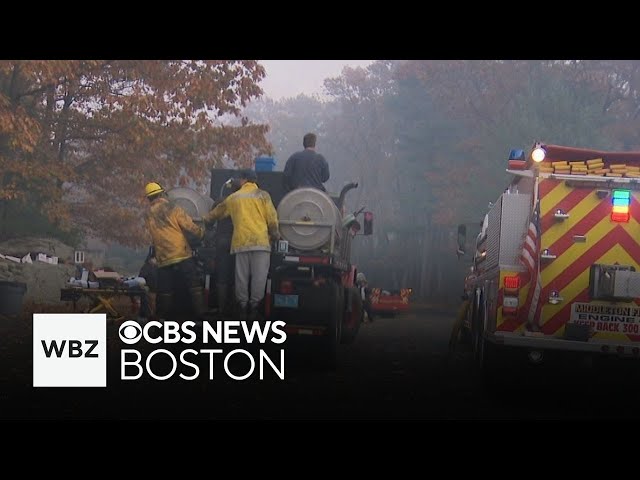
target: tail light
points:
(512, 283)
(511, 290)
(286, 287)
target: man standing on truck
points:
(306, 168)
(169, 226)
(255, 225)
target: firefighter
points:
(171, 230)
(255, 226)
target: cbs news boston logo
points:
(69, 350)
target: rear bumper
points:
(311, 316)
(548, 342)
(389, 307)
(306, 330)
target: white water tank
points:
(195, 204)
(308, 205)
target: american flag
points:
(530, 257)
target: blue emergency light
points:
(516, 160)
(516, 155)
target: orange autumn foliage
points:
(80, 138)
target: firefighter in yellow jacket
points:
(255, 225)
(168, 224)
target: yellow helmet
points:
(153, 188)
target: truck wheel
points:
(334, 327)
(477, 327)
(496, 366)
(466, 337)
(354, 318)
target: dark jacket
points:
(306, 169)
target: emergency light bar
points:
(516, 160)
(621, 200)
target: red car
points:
(389, 302)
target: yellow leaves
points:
(10, 193)
(124, 122)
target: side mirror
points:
(462, 240)
(368, 223)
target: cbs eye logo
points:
(130, 332)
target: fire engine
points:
(555, 264)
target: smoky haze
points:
(428, 142)
(290, 78)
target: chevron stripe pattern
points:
(605, 241)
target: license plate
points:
(286, 301)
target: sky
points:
(289, 78)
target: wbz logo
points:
(74, 350)
(69, 350)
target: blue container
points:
(265, 164)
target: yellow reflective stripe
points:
(576, 214)
(575, 251)
(616, 254)
(552, 198)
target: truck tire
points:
(477, 324)
(334, 328)
(496, 364)
(466, 337)
(353, 319)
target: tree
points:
(79, 139)
(289, 120)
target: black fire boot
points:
(222, 294)
(242, 312)
(164, 303)
(197, 303)
(254, 313)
